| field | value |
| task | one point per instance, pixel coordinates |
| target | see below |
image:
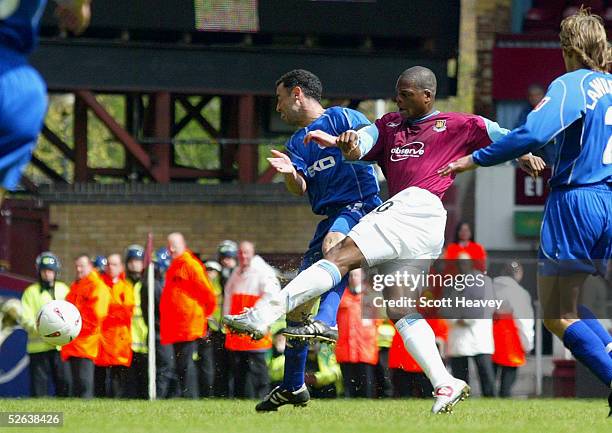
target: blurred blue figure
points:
(100, 263)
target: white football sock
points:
(420, 342)
(309, 284)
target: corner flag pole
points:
(151, 316)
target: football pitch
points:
(353, 416)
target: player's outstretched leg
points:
(323, 326)
(309, 284)
(420, 342)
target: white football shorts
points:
(408, 226)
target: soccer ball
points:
(58, 322)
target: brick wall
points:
(492, 17)
(106, 228)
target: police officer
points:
(138, 374)
(47, 371)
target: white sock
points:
(420, 342)
(309, 284)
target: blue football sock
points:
(330, 301)
(586, 346)
(295, 362)
(591, 321)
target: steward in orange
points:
(186, 302)
(92, 298)
(357, 348)
(407, 376)
(513, 327)
(116, 341)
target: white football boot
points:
(246, 323)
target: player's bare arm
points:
(294, 182)
(459, 166)
(531, 164)
(321, 138)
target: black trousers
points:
(409, 384)
(206, 367)
(460, 368)
(166, 370)
(102, 386)
(186, 369)
(82, 377)
(47, 371)
(251, 379)
(222, 362)
(137, 377)
(358, 380)
(384, 387)
(507, 377)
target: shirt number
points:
(607, 155)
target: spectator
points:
(227, 252)
(186, 302)
(464, 243)
(471, 329)
(323, 375)
(166, 379)
(138, 374)
(535, 93)
(115, 354)
(47, 370)
(209, 348)
(92, 297)
(100, 263)
(251, 281)
(356, 350)
(513, 326)
(385, 332)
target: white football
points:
(58, 322)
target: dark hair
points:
(422, 77)
(305, 80)
(510, 268)
(458, 227)
(536, 86)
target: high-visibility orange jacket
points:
(509, 351)
(356, 336)
(399, 356)
(116, 339)
(186, 302)
(476, 252)
(244, 288)
(92, 298)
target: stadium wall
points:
(96, 221)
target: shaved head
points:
(421, 77)
(176, 244)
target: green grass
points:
(228, 416)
